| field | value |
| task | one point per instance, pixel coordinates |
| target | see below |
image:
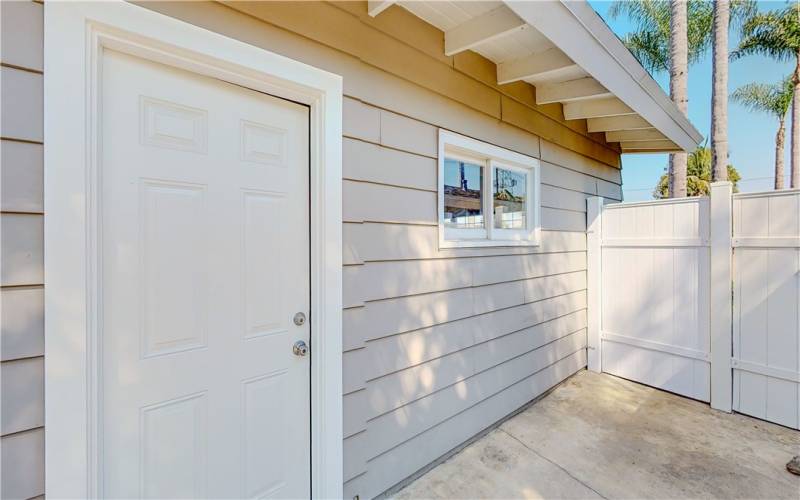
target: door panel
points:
(205, 260)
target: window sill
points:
(487, 243)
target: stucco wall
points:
(21, 251)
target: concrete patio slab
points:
(601, 436)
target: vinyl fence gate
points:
(700, 297)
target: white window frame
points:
(76, 34)
(459, 147)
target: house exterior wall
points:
(21, 251)
(438, 345)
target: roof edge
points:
(575, 28)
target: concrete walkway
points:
(597, 436)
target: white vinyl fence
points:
(766, 306)
(661, 307)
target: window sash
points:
(455, 233)
(522, 234)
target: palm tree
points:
(678, 86)
(719, 92)
(774, 99)
(698, 176)
(652, 44)
(777, 34)
(670, 35)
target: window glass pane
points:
(463, 205)
(509, 199)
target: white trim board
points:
(75, 36)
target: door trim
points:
(75, 36)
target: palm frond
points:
(650, 49)
(773, 34)
(649, 43)
(650, 15)
(741, 12)
(754, 96)
(699, 28)
(774, 98)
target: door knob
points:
(299, 319)
(300, 348)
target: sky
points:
(751, 136)
(452, 175)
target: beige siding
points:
(22, 177)
(22, 455)
(22, 112)
(22, 35)
(21, 250)
(22, 394)
(21, 246)
(441, 344)
(22, 328)
(406, 458)
(372, 163)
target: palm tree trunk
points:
(678, 85)
(795, 179)
(780, 138)
(719, 93)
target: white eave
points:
(565, 50)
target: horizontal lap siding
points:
(410, 456)
(438, 344)
(21, 250)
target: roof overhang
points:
(565, 50)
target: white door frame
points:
(75, 36)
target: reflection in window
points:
(509, 196)
(463, 206)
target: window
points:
(488, 196)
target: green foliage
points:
(774, 34)
(650, 42)
(774, 98)
(698, 176)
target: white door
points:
(205, 261)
